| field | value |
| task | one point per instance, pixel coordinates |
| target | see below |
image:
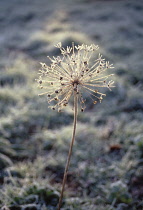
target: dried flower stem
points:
(70, 149)
(74, 74)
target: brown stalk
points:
(70, 149)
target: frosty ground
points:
(106, 170)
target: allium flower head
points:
(74, 74)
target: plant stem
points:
(70, 149)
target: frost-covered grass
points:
(106, 168)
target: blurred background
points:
(106, 170)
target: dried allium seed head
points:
(74, 73)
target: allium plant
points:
(72, 75)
